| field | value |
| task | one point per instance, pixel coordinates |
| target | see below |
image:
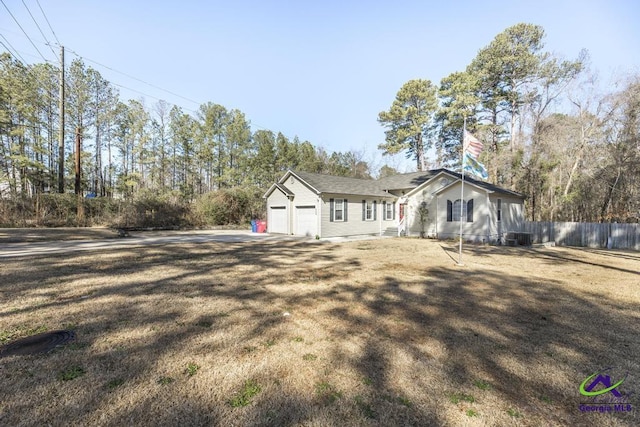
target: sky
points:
(320, 70)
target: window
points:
(499, 209)
(453, 210)
(338, 209)
(456, 210)
(388, 211)
(368, 211)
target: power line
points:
(25, 33)
(148, 84)
(38, 26)
(17, 54)
(151, 96)
(135, 78)
(49, 24)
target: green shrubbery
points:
(233, 206)
(229, 206)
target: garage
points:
(277, 220)
(306, 221)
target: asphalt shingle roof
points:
(407, 180)
(377, 188)
(342, 185)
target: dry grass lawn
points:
(382, 332)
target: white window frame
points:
(388, 210)
(455, 210)
(336, 210)
(368, 211)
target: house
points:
(309, 204)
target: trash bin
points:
(262, 226)
(254, 226)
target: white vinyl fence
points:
(586, 234)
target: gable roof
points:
(338, 184)
(408, 180)
(280, 187)
(320, 183)
(487, 186)
(416, 179)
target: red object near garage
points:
(262, 226)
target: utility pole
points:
(61, 134)
(80, 208)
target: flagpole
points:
(464, 131)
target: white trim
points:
(335, 210)
(368, 210)
(289, 173)
(427, 182)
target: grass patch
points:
(20, 332)
(404, 401)
(249, 348)
(309, 356)
(71, 373)
(165, 380)
(482, 385)
(545, 399)
(77, 345)
(365, 408)
(191, 369)
(514, 413)
(327, 393)
(115, 383)
(375, 334)
(472, 413)
(243, 397)
(460, 397)
(397, 399)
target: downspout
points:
(488, 208)
(319, 215)
(379, 215)
(437, 204)
(290, 216)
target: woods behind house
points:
(550, 132)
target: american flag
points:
(472, 145)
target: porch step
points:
(390, 232)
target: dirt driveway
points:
(29, 242)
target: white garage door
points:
(277, 221)
(306, 221)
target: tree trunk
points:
(419, 152)
(607, 204)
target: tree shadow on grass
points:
(405, 343)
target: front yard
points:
(380, 332)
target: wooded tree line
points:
(547, 130)
(129, 147)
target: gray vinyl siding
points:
(277, 198)
(512, 214)
(354, 225)
(476, 230)
(304, 196)
(413, 217)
